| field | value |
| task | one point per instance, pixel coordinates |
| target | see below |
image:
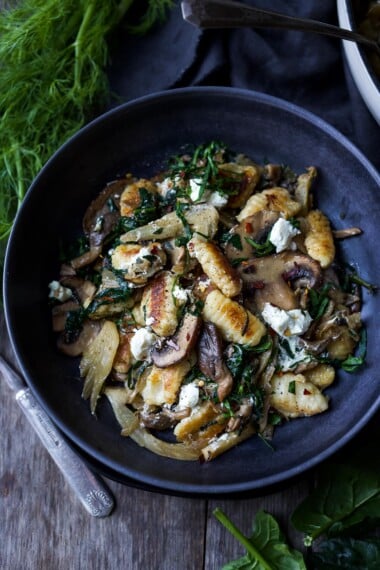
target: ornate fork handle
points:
(232, 14)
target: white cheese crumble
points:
(142, 253)
(195, 188)
(180, 294)
(286, 323)
(281, 235)
(141, 343)
(217, 200)
(188, 396)
(164, 187)
(292, 354)
(211, 198)
(59, 292)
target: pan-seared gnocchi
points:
(213, 307)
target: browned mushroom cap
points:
(99, 220)
(255, 227)
(177, 347)
(271, 278)
(210, 360)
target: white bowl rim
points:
(364, 80)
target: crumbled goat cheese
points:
(141, 343)
(203, 284)
(286, 323)
(292, 355)
(212, 198)
(164, 187)
(195, 188)
(188, 396)
(217, 200)
(180, 294)
(59, 292)
(281, 235)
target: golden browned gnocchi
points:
(213, 307)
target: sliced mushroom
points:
(180, 261)
(255, 227)
(162, 419)
(86, 258)
(89, 331)
(177, 347)
(346, 233)
(210, 360)
(99, 221)
(102, 213)
(84, 289)
(242, 415)
(59, 314)
(272, 174)
(270, 278)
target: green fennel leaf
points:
(266, 548)
(53, 80)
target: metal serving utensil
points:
(232, 14)
(88, 487)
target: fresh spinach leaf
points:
(266, 547)
(346, 496)
(347, 553)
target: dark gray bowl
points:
(139, 137)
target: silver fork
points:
(232, 14)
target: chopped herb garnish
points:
(261, 249)
(318, 301)
(352, 363)
(233, 239)
(74, 325)
(110, 296)
(286, 346)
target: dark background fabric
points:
(304, 68)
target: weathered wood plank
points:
(43, 525)
(222, 547)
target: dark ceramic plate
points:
(138, 137)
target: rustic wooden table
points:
(44, 527)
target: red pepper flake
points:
(257, 284)
(248, 228)
(306, 392)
